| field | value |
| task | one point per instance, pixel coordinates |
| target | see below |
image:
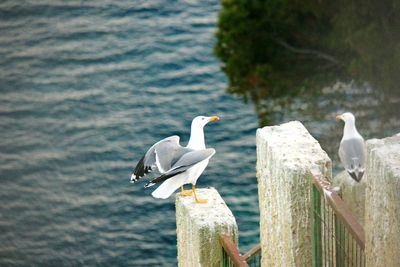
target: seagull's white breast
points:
(195, 172)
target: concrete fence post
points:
(352, 193)
(199, 227)
(382, 202)
(287, 157)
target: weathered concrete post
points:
(287, 157)
(352, 193)
(382, 202)
(199, 227)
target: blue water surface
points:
(86, 88)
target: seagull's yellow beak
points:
(214, 118)
(339, 117)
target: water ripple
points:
(86, 88)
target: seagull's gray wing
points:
(351, 153)
(160, 155)
(187, 161)
(167, 154)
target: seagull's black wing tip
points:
(134, 178)
(140, 170)
(355, 177)
(360, 176)
(149, 184)
(163, 177)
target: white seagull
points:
(177, 165)
(351, 149)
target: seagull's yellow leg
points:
(185, 193)
(198, 200)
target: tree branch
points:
(307, 52)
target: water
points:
(86, 88)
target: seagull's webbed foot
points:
(186, 193)
(198, 200)
(201, 200)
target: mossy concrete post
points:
(382, 202)
(287, 157)
(199, 227)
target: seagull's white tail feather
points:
(168, 187)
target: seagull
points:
(351, 149)
(177, 165)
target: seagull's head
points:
(346, 117)
(201, 121)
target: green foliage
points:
(273, 48)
